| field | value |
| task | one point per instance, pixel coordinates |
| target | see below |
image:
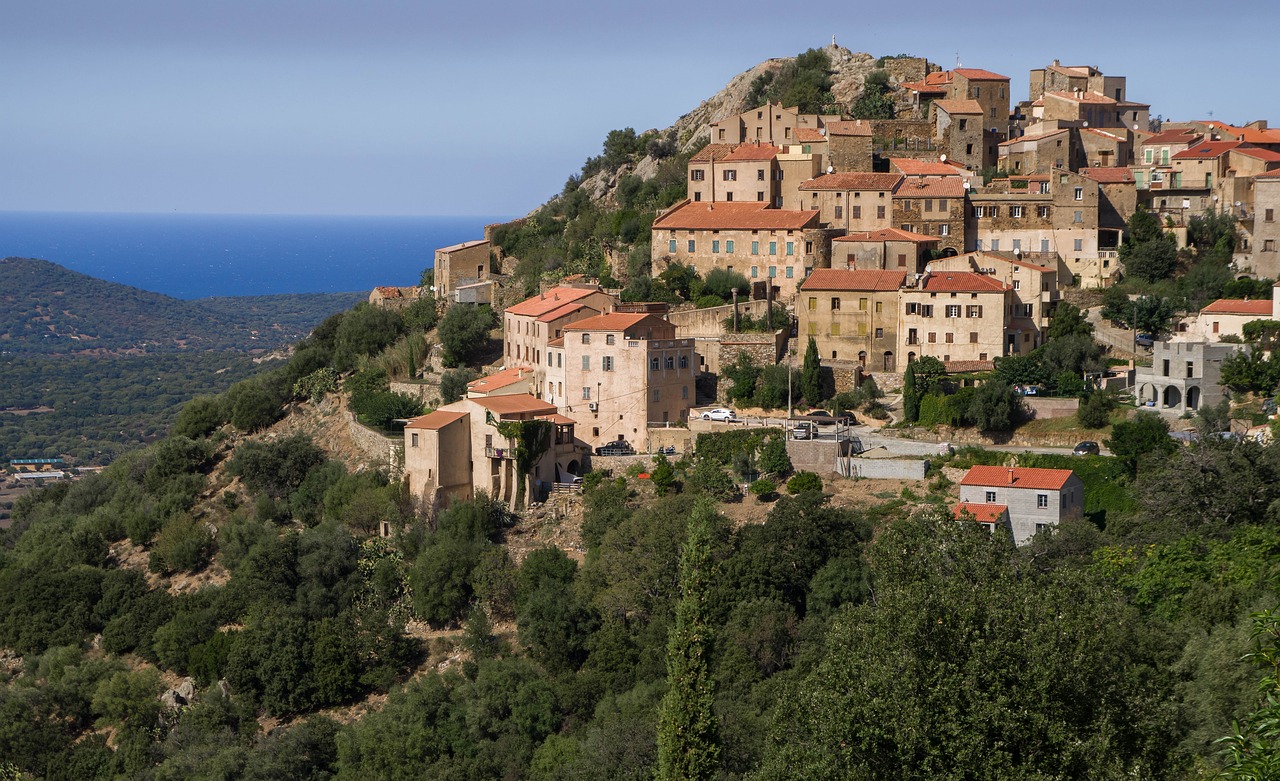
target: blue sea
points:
(195, 256)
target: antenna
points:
(957, 59)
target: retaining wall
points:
(379, 451)
(884, 468)
(1051, 408)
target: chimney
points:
(1010, 475)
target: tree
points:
(663, 476)
(995, 406)
(744, 375)
(1095, 409)
(910, 398)
(688, 732)
(811, 374)
(1148, 252)
(874, 102)
(804, 481)
(1251, 370)
(464, 333)
(773, 457)
(1067, 320)
(722, 282)
(1252, 750)
(1145, 433)
(453, 384)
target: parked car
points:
(1145, 340)
(803, 430)
(616, 449)
(721, 414)
(1086, 448)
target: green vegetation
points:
(875, 102)
(804, 82)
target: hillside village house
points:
(852, 315)
(771, 123)
(530, 324)
(849, 146)
(462, 272)
(1264, 261)
(959, 124)
(508, 382)
(1054, 213)
(888, 249)
(852, 202)
(1032, 499)
(1183, 376)
(1227, 317)
(621, 373)
(760, 243)
(960, 316)
(457, 450)
(1034, 287)
(932, 206)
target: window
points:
(835, 304)
(610, 339)
(977, 91)
(586, 392)
(840, 211)
(728, 246)
(586, 338)
(1017, 247)
(1166, 367)
(995, 245)
(835, 329)
(879, 333)
(1042, 501)
(1078, 217)
(944, 229)
(950, 338)
(906, 226)
(671, 246)
(755, 248)
(879, 212)
(759, 195)
(933, 337)
(759, 174)
(856, 212)
(913, 309)
(879, 307)
(926, 310)
(559, 360)
(773, 248)
(1017, 284)
(697, 195)
(684, 362)
(697, 174)
(586, 363)
(1078, 245)
(1146, 155)
(1191, 369)
(862, 304)
(790, 272)
(654, 364)
(1269, 215)
(968, 149)
(606, 363)
(991, 497)
(1268, 245)
(974, 310)
(413, 439)
(963, 123)
(670, 362)
(715, 246)
(973, 339)
(1028, 310)
(1042, 212)
(953, 310)
(1079, 194)
(1015, 212)
(730, 175)
(928, 205)
(773, 272)
(691, 245)
(684, 392)
(1044, 245)
(791, 248)
(657, 394)
(813, 303)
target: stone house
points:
(1070, 78)
(528, 326)
(461, 265)
(960, 126)
(812, 142)
(1117, 201)
(778, 245)
(1057, 213)
(1183, 376)
(1033, 499)
(797, 164)
(1227, 316)
(749, 172)
(957, 316)
(1104, 148)
(851, 201)
(1036, 152)
(1091, 109)
(1264, 261)
(393, 297)
(852, 315)
(702, 171)
(991, 91)
(1153, 157)
(452, 453)
(888, 249)
(934, 86)
(849, 146)
(1035, 288)
(508, 382)
(771, 123)
(932, 206)
(623, 372)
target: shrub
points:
(464, 333)
(184, 544)
(763, 488)
(804, 481)
(453, 384)
(1095, 409)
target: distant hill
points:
(46, 309)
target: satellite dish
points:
(1086, 124)
(942, 158)
(831, 170)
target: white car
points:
(721, 414)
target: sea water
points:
(195, 256)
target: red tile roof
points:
(564, 311)
(963, 367)
(1179, 135)
(912, 167)
(977, 74)
(888, 234)
(1109, 175)
(556, 342)
(711, 152)
(930, 187)
(1035, 137)
(549, 301)
(515, 404)
(692, 215)
(982, 513)
(852, 181)
(1207, 151)
(809, 135)
(752, 152)
(1018, 477)
(1083, 97)
(961, 282)
(614, 321)
(558, 419)
(845, 127)
(1269, 175)
(1236, 306)
(1260, 154)
(959, 106)
(1103, 133)
(502, 379)
(463, 245)
(853, 279)
(390, 292)
(434, 421)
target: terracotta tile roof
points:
(564, 311)
(1252, 135)
(807, 135)
(549, 301)
(930, 187)
(1102, 133)
(1207, 151)
(1260, 154)
(434, 421)
(1236, 306)
(912, 167)
(390, 292)
(888, 234)
(463, 245)
(1036, 137)
(729, 216)
(848, 127)
(1179, 135)
(1269, 175)
(558, 419)
(614, 321)
(959, 106)
(1108, 175)
(515, 404)
(924, 87)
(982, 513)
(961, 282)
(751, 152)
(978, 74)
(964, 367)
(853, 279)
(503, 379)
(711, 152)
(556, 342)
(852, 181)
(1083, 97)
(1017, 477)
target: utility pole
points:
(735, 310)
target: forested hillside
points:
(46, 309)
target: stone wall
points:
(426, 391)
(884, 468)
(379, 452)
(1050, 408)
(907, 68)
(708, 322)
(764, 349)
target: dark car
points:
(1144, 340)
(1086, 448)
(616, 449)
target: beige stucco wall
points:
(849, 325)
(851, 210)
(711, 250)
(976, 338)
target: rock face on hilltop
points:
(849, 70)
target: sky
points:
(485, 108)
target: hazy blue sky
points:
(397, 107)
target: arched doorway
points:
(862, 357)
(911, 358)
(1193, 397)
(888, 361)
(1172, 396)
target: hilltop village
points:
(952, 232)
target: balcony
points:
(504, 453)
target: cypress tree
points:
(688, 734)
(910, 399)
(811, 374)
